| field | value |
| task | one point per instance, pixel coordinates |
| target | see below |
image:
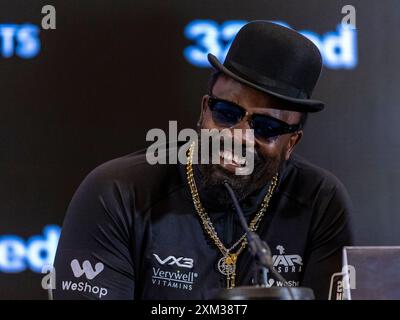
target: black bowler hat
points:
(276, 60)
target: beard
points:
(214, 175)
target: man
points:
(140, 231)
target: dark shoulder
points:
(132, 174)
(312, 173)
(307, 182)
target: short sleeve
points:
(94, 254)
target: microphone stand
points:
(261, 253)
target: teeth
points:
(239, 160)
(226, 155)
(229, 157)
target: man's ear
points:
(203, 110)
(293, 141)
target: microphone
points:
(258, 248)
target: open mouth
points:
(228, 157)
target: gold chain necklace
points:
(227, 264)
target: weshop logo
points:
(78, 270)
(86, 269)
(90, 273)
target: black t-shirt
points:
(131, 232)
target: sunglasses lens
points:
(266, 128)
(226, 114)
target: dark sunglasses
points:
(228, 114)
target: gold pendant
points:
(231, 259)
(227, 266)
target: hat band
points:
(276, 86)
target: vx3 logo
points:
(171, 260)
(86, 269)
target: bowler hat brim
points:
(301, 105)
